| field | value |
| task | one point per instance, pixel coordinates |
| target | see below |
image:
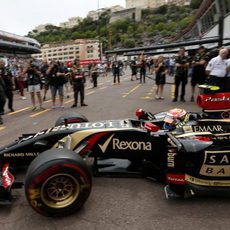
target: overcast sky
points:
(21, 16)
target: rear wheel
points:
(71, 118)
(58, 182)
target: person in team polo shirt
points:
(78, 81)
(217, 70)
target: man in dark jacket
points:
(8, 79)
(57, 79)
(181, 75)
(2, 88)
(78, 81)
(6, 85)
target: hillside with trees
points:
(156, 27)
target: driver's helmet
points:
(174, 117)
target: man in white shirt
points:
(217, 69)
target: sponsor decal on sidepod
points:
(126, 145)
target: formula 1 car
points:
(192, 159)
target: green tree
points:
(162, 9)
(185, 21)
(129, 43)
(195, 4)
(160, 26)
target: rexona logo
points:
(105, 145)
(132, 145)
(126, 145)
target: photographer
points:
(57, 79)
(34, 84)
(181, 76)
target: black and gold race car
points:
(191, 159)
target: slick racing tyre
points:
(58, 182)
(71, 118)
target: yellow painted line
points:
(66, 102)
(146, 98)
(36, 114)
(47, 101)
(172, 90)
(90, 93)
(18, 111)
(103, 87)
(1, 128)
(131, 91)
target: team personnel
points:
(78, 81)
(160, 70)
(217, 70)
(6, 90)
(142, 71)
(181, 75)
(43, 70)
(198, 74)
(133, 66)
(94, 73)
(2, 92)
(116, 72)
(8, 79)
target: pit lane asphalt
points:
(114, 203)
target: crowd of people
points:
(200, 67)
(37, 77)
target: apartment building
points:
(81, 49)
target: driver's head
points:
(175, 116)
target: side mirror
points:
(151, 127)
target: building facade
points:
(41, 28)
(94, 14)
(154, 3)
(131, 13)
(74, 21)
(81, 49)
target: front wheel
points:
(58, 182)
